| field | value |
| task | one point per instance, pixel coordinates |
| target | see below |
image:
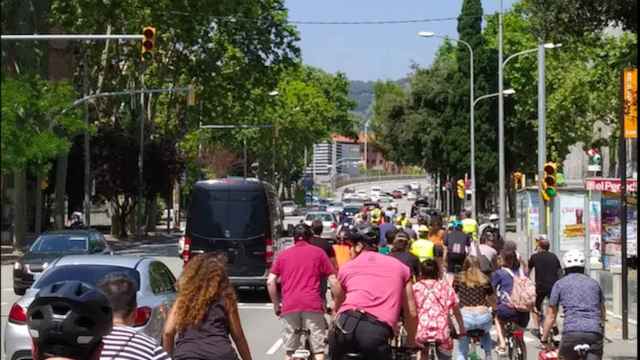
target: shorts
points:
(541, 294)
(571, 339)
(313, 321)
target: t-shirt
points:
(581, 298)
(408, 259)
(300, 269)
(547, 268)
(457, 242)
(343, 254)
(384, 229)
(472, 296)
(502, 283)
(323, 244)
(374, 283)
(124, 342)
(485, 250)
(437, 238)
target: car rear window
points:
(321, 217)
(228, 214)
(59, 243)
(90, 274)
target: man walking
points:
(548, 269)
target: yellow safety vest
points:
(470, 227)
(422, 249)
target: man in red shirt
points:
(299, 270)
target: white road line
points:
(272, 350)
(254, 306)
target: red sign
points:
(610, 185)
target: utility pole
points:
(140, 221)
(501, 165)
(86, 146)
(542, 150)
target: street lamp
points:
(542, 153)
(506, 92)
(472, 137)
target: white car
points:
(289, 208)
(375, 191)
(329, 221)
(412, 195)
(414, 186)
(335, 207)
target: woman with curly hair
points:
(204, 314)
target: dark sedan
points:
(52, 245)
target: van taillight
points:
(17, 315)
(268, 254)
(142, 316)
(186, 249)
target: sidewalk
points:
(614, 346)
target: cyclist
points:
(469, 225)
(402, 219)
(435, 299)
(492, 224)
(502, 282)
(69, 320)
(548, 269)
(322, 243)
(299, 269)
(408, 228)
(476, 301)
(583, 306)
(385, 229)
(376, 215)
(400, 251)
(456, 243)
(341, 248)
(376, 289)
(423, 248)
(124, 341)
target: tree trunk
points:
(38, 203)
(61, 181)
(151, 214)
(19, 203)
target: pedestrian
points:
(547, 268)
(205, 314)
(125, 341)
(435, 300)
(476, 302)
(299, 270)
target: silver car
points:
(156, 294)
(289, 208)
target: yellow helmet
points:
(423, 228)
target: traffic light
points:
(148, 42)
(460, 188)
(549, 181)
(519, 180)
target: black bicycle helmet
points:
(302, 232)
(69, 319)
(365, 233)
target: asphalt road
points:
(261, 326)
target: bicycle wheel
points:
(517, 348)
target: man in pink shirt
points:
(299, 270)
(375, 289)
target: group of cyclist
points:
(382, 284)
(420, 281)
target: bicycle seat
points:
(475, 333)
(581, 347)
(353, 356)
(301, 354)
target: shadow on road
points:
(251, 296)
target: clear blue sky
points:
(372, 52)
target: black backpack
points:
(457, 244)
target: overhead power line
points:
(351, 22)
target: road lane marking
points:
(254, 306)
(272, 350)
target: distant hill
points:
(362, 92)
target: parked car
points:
(329, 222)
(241, 218)
(52, 245)
(290, 208)
(412, 195)
(156, 294)
(375, 191)
(397, 194)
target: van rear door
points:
(234, 223)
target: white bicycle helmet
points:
(494, 217)
(573, 258)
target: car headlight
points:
(45, 265)
(17, 265)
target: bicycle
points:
(582, 350)
(514, 337)
(474, 336)
(303, 352)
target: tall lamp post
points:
(542, 153)
(366, 150)
(472, 141)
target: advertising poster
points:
(572, 226)
(611, 228)
(595, 231)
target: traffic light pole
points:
(542, 150)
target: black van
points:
(241, 218)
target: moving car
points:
(156, 293)
(375, 191)
(335, 207)
(290, 208)
(52, 245)
(349, 211)
(329, 222)
(397, 194)
(241, 218)
(412, 196)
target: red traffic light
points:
(148, 42)
(149, 32)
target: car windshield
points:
(288, 203)
(320, 216)
(336, 204)
(59, 243)
(90, 274)
(351, 209)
